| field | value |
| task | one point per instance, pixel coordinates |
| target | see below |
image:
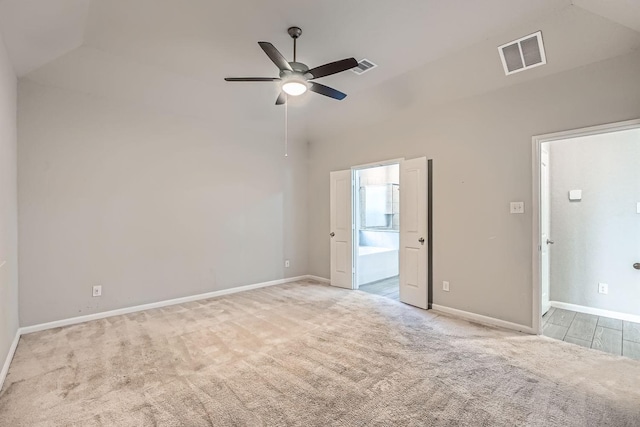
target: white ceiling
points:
(625, 12)
(39, 31)
(172, 55)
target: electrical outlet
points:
(97, 291)
(603, 288)
(287, 264)
(516, 207)
(445, 286)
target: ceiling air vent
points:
(364, 66)
(522, 54)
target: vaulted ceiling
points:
(172, 55)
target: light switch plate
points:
(575, 195)
(638, 208)
(517, 207)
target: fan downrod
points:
(295, 32)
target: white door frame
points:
(545, 228)
(537, 141)
(355, 194)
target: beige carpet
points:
(310, 355)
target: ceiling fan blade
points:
(327, 91)
(333, 68)
(252, 79)
(275, 56)
(282, 99)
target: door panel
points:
(341, 230)
(343, 214)
(412, 267)
(410, 186)
(413, 232)
(341, 257)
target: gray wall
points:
(150, 205)
(8, 206)
(597, 239)
(481, 151)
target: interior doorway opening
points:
(589, 237)
(411, 222)
(377, 230)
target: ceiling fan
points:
(295, 76)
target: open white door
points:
(413, 232)
(545, 228)
(341, 229)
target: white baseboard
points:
(318, 279)
(7, 362)
(596, 311)
(165, 303)
(485, 320)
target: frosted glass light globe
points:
(294, 88)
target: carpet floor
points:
(307, 354)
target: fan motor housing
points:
(299, 67)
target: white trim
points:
(136, 308)
(7, 362)
(378, 164)
(484, 320)
(596, 311)
(536, 275)
(318, 279)
(535, 202)
(588, 131)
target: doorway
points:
(412, 218)
(377, 230)
(588, 236)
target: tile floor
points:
(389, 288)
(601, 333)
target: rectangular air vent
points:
(364, 66)
(522, 54)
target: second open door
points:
(413, 233)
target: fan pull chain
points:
(286, 125)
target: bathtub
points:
(376, 263)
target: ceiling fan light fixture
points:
(295, 77)
(294, 87)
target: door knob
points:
(549, 242)
(332, 234)
(636, 265)
(421, 240)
